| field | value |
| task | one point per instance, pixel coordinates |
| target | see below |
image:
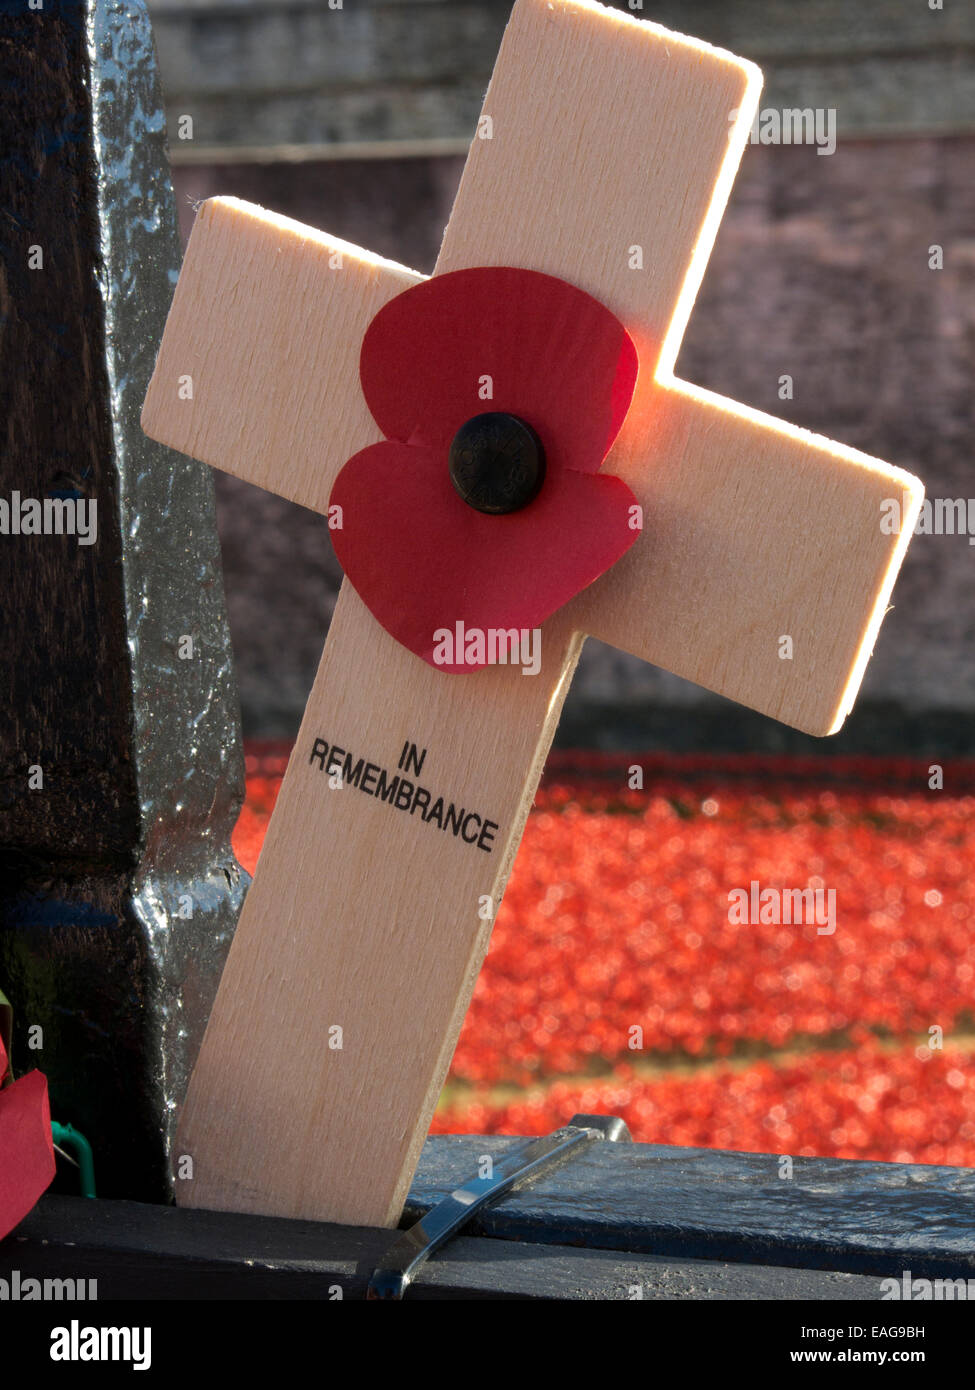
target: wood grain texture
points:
(268, 325)
(364, 916)
(754, 530)
(607, 133)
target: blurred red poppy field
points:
(619, 981)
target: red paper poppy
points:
(26, 1147)
(454, 347)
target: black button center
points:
(497, 463)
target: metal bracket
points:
(517, 1168)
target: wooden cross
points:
(606, 134)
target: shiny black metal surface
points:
(620, 1221)
(709, 1204)
(118, 888)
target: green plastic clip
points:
(67, 1137)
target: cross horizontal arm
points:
(265, 383)
(754, 531)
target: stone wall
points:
(300, 72)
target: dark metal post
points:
(120, 761)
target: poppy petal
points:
(422, 560)
(26, 1147)
(501, 339)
